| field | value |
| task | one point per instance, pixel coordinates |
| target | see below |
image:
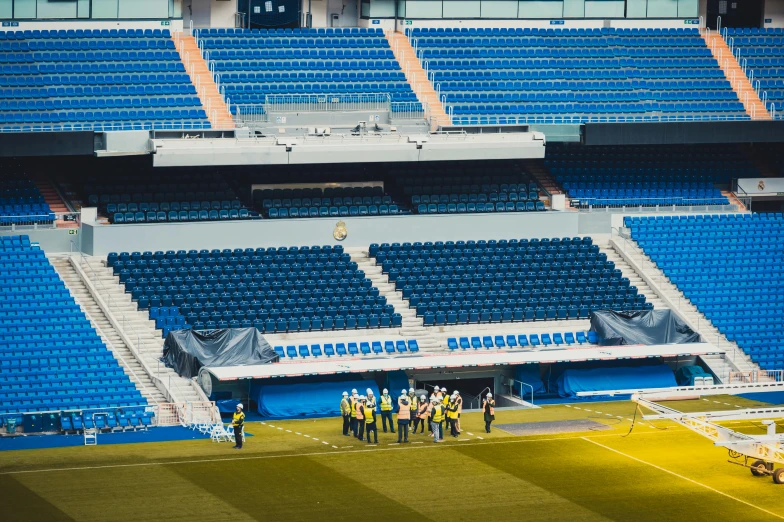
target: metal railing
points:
(756, 376)
(648, 204)
(407, 111)
(515, 385)
(135, 125)
(327, 102)
(550, 119)
(37, 221)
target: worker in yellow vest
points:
(238, 422)
(413, 404)
(386, 411)
(421, 414)
(451, 414)
(488, 406)
(403, 417)
(361, 417)
(354, 404)
(447, 420)
(430, 413)
(438, 419)
(370, 420)
(345, 412)
(459, 401)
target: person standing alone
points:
(238, 422)
(403, 417)
(488, 405)
(345, 411)
(437, 414)
(386, 411)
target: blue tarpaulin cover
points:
(625, 378)
(227, 406)
(529, 374)
(307, 400)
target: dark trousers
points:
(346, 424)
(417, 422)
(448, 424)
(353, 423)
(371, 427)
(430, 425)
(487, 426)
(238, 436)
(360, 429)
(387, 416)
(402, 429)
(453, 425)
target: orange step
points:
(53, 199)
(417, 79)
(735, 75)
(201, 77)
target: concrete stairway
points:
(53, 199)
(136, 325)
(634, 278)
(108, 333)
(418, 80)
(412, 325)
(211, 98)
(735, 75)
(542, 175)
(671, 297)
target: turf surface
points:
(306, 470)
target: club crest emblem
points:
(340, 233)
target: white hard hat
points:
(403, 392)
(456, 392)
(386, 391)
(410, 390)
(369, 391)
(362, 398)
(443, 389)
(353, 391)
(489, 394)
(239, 406)
(436, 388)
(424, 397)
(345, 394)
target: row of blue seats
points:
(492, 197)
(98, 79)
(497, 314)
(106, 127)
(591, 63)
(570, 41)
(100, 103)
(302, 351)
(99, 90)
(552, 32)
(103, 421)
(308, 324)
(85, 33)
(76, 68)
(89, 56)
(102, 116)
(226, 254)
(369, 42)
(501, 82)
(325, 201)
(348, 32)
(599, 74)
(342, 211)
(165, 206)
(310, 65)
(183, 215)
(510, 97)
(747, 31)
(461, 208)
(305, 54)
(95, 45)
(522, 340)
(493, 57)
(404, 250)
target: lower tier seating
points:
(728, 266)
(21, 203)
(51, 358)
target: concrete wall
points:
(222, 13)
(51, 240)
(102, 239)
(774, 11)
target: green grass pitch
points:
(307, 471)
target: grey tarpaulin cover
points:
(186, 351)
(641, 327)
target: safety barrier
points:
(756, 376)
(37, 221)
(648, 204)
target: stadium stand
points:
(470, 187)
(84, 79)
(764, 51)
(647, 175)
(325, 202)
(275, 289)
(51, 358)
(729, 267)
(21, 203)
(523, 75)
(252, 64)
(506, 280)
(138, 198)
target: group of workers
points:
(360, 419)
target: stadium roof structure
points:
(478, 359)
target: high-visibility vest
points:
(386, 403)
(446, 400)
(359, 409)
(370, 415)
(423, 411)
(413, 402)
(429, 408)
(345, 407)
(438, 413)
(371, 404)
(238, 419)
(459, 402)
(492, 405)
(403, 412)
(451, 412)
(354, 404)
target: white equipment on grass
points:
(759, 453)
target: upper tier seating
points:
(487, 187)
(646, 175)
(95, 80)
(254, 63)
(730, 268)
(274, 289)
(51, 358)
(576, 75)
(136, 198)
(764, 51)
(21, 203)
(506, 280)
(328, 202)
